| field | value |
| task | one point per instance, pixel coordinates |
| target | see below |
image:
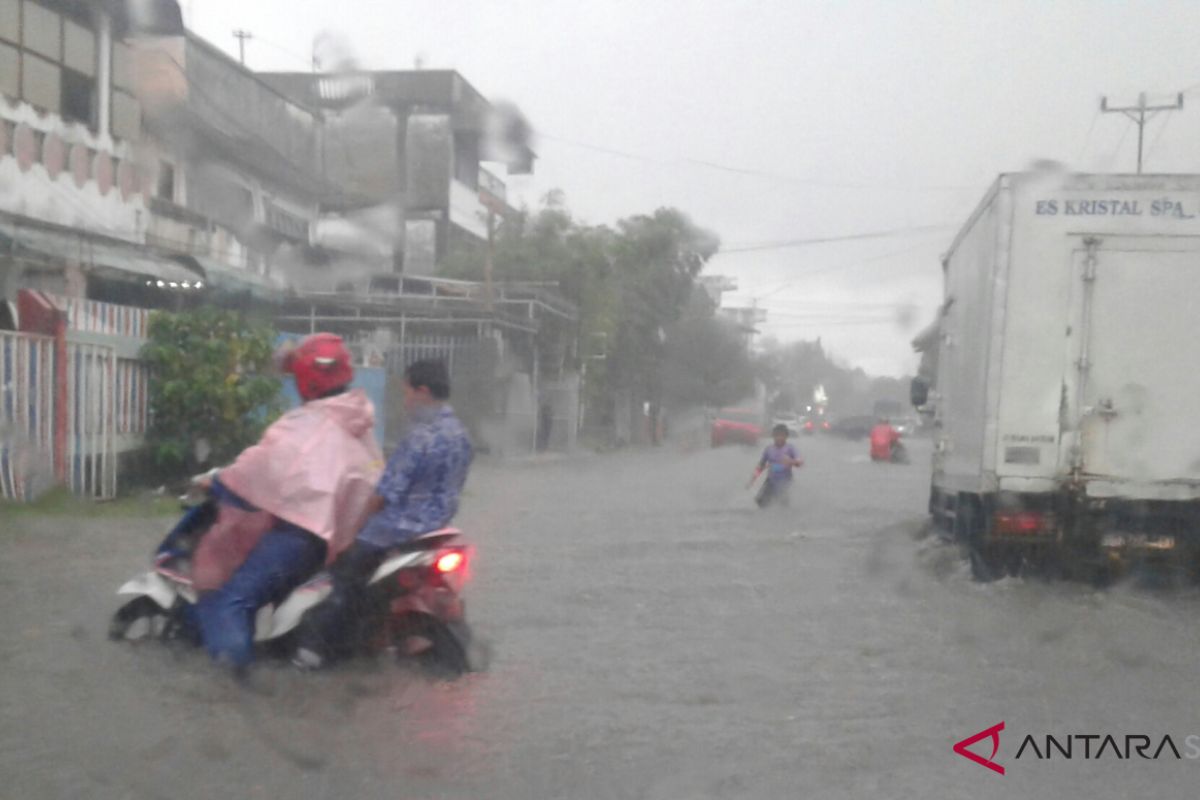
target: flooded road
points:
(653, 635)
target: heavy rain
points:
(598, 400)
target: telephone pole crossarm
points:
(242, 35)
(1141, 114)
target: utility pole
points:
(242, 35)
(1141, 114)
(489, 298)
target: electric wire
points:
(792, 179)
(849, 237)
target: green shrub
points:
(211, 392)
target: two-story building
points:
(73, 205)
(233, 164)
(404, 151)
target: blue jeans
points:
(283, 559)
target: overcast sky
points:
(776, 121)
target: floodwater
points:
(652, 635)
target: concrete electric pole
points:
(1141, 114)
(242, 35)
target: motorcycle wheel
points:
(138, 609)
(439, 648)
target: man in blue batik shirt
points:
(417, 493)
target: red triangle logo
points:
(992, 733)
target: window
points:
(41, 31)
(48, 58)
(79, 48)
(78, 98)
(122, 66)
(126, 116)
(10, 70)
(166, 182)
(10, 20)
(466, 159)
(41, 82)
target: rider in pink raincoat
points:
(290, 503)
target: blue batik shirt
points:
(422, 480)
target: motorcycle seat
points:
(426, 541)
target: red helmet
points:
(320, 363)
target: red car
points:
(736, 425)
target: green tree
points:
(707, 363)
(211, 391)
(656, 260)
(631, 283)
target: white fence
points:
(70, 422)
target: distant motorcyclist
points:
(417, 493)
(306, 484)
(884, 439)
(777, 459)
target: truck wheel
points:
(968, 530)
(983, 568)
(1103, 574)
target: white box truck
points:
(1066, 399)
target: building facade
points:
(232, 166)
(70, 127)
(404, 150)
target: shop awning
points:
(233, 280)
(104, 257)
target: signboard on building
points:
(285, 222)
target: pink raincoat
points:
(315, 467)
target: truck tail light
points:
(1023, 523)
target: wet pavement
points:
(653, 635)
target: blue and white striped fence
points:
(106, 406)
(26, 415)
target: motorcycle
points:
(899, 453)
(418, 588)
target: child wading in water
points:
(778, 459)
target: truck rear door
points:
(1137, 361)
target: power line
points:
(850, 237)
(307, 60)
(834, 324)
(825, 318)
(805, 274)
(818, 182)
(710, 165)
(1158, 136)
(881, 257)
(850, 305)
(1117, 150)
(1088, 137)
(597, 148)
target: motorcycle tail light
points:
(451, 561)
